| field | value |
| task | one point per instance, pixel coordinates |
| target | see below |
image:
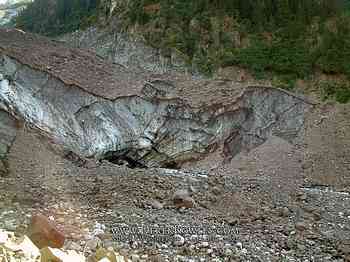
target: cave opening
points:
(124, 159)
(171, 165)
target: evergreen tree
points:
(52, 17)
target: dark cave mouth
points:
(123, 160)
(117, 158)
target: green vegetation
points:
(54, 17)
(338, 91)
(290, 39)
(288, 57)
(280, 39)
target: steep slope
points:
(98, 110)
(285, 199)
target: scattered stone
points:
(135, 258)
(193, 239)
(179, 240)
(216, 191)
(303, 197)
(228, 252)
(60, 220)
(181, 194)
(317, 215)
(301, 226)
(164, 246)
(135, 245)
(232, 221)
(301, 247)
(344, 247)
(44, 233)
(99, 229)
(290, 243)
(284, 212)
(204, 244)
(182, 210)
(182, 198)
(193, 189)
(94, 243)
(156, 204)
(306, 165)
(73, 246)
(10, 225)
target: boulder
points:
(44, 233)
(181, 194)
(182, 198)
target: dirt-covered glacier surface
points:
(154, 127)
(258, 160)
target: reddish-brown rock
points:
(44, 233)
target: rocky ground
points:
(281, 201)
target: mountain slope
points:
(10, 9)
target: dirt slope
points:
(286, 199)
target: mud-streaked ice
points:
(150, 131)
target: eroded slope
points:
(85, 105)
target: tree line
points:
(54, 17)
(288, 39)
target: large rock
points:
(44, 233)
(96, 109)
(182, 198)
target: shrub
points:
(256, 57)
(286, 82)
(333, 55)
(333, 90)
(290, 57)
(287, 57)
(56, 16)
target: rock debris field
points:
(100, 164)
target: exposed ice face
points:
(151, 132)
